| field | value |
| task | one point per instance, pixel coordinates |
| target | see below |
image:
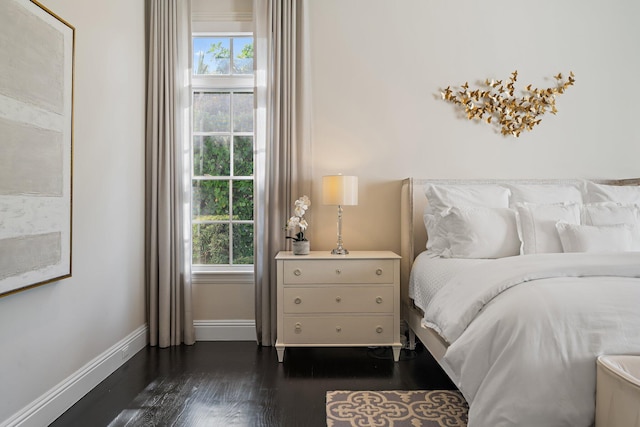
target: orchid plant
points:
(297, 220)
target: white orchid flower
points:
(293, 222)
(300, 207)
(299, 210)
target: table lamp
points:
(340, 190)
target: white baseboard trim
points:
(48, 407)
(225, 330)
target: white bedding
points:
(525, 332)
(430, 273)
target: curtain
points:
(167, 249)
(283, 135)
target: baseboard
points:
(225, 330)
(48, 407)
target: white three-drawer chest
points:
(327, 300)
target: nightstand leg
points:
(412, 339)
(396, 352)
(280, 349)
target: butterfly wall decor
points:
(497, 102)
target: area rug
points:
(416, 408)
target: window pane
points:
(243, 243)
(243, 55)
(222, 150)
(211, 156)
(243, 200)
(211, 55)
(210, 244)
(243, 156)
(243, 112)
(210, 200)
(211, 111)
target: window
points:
(222, 147)
(223, 55)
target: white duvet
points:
(525, 331)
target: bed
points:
(518, 326)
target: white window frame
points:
(235, 273)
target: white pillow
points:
(609, 213)
(436, 238)
(443, 196)
(537, 226)
(594, 238)
(478, 232)
(625, 194)
(544, 194)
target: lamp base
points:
(339, 251)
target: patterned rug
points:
(417, 408)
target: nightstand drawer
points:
(339, 271)
(338, 299)
(338, 329)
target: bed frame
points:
(413, 240)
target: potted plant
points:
(300, 244)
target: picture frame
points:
(36, 145)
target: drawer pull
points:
(338, 299)
(298, 328)
(379, 272)
(338, 329)
(338, 271)
(379, 300)
(297, 272)
(379, 329)
(297, 300)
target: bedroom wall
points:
(377, 70)
(51, 332)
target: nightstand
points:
(327, 300)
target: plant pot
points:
(301, 247)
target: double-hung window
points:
(222, 152)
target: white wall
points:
(378, 67)
(50, 332)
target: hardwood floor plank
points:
(241, 384)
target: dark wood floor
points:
(241, 384)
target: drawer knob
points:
(379, 300)
(298, 328)
(379, 272)
(338, 329)
(338, 299)
(379, 329)
(297, 300)
(297, 272)
(338, 271)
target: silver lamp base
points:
(339, 250)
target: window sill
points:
(222, 277)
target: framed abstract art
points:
(36, 145)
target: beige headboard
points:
(413, 235)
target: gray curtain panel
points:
(283, 140)
(168, 255)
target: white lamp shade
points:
(339, 190)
